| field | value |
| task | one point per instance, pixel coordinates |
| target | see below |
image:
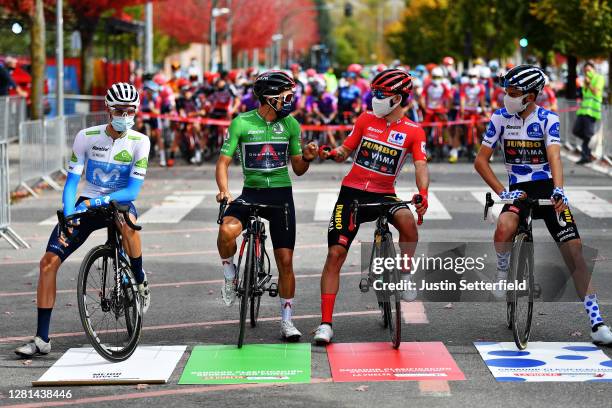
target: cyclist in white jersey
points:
(529, 138)
(114, 159)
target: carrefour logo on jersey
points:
(554, 130)
(535, 131)
(396, 138)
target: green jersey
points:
(265, 148)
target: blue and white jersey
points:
(524, 142)
(108, 163)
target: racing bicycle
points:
(110, 307)
(519, 301)
(388, 297)
(254, 279)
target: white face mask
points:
(515, 105)
(383, 107)
(122, 123)
(437, 82)
(474, 81)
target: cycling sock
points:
(44, 321)
(286, 308)
(137, 269)
(503, 262)
(592, 309)
(228, 267)
(327, 307)
(162, 155)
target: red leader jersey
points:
(382, 149)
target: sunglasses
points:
(287, 98)
(123, 111)
(378, 94)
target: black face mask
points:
(284, 111)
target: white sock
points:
(162, 155)
(503, 263)
(592, 309)
(286, 308)
(228, 268)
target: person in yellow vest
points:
(590, 109)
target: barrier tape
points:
(224, 123)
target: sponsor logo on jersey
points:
(491, 130)
(396, 138)
(513, 127)
(278, 128)
(74, 157)
(134, 137)
(554, 129)
(255, 131)
(138, 174)
(142, 163)
(535, 131)
(379, 157)
(92, 132)
(423, 148)
(265, 156)
(123, 156)
(373, 129)
(100, 148)
(524, 151)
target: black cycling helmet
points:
(272, 83)
(525, 78)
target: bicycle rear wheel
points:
(521, 270)
(244, 290)
(111, 317)
(392, 308)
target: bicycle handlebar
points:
(489, 202)
(418, 199)
(223, 204)
(113, 208)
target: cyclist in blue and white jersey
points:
(530, 141)
(114, 159)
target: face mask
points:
(284, 111)
(382, 107)
(474, 81)
(514, 105)
(122, 123)
(437, 82)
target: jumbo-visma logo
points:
(535, 131)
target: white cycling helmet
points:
(437, 72)
(122, 93)
(485, 72)
(473, 72)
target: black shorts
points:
(342, 230)
(283, 235)
(79, 234)
(542, 190)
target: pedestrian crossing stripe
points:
(179, 204)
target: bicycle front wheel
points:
(244, 290)
(392, 308)
(521, 298)
(110, 311)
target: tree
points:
(32, 12)
(578, 28)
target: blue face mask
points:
(285, 110)
(122, 123)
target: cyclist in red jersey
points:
(383, 140)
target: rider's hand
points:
(81, 208)
(226, 195)
(325, 152)
(561, 204)
(310, 151)
(512, 195)
(421, 208)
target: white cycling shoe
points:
(145, 294)
(497, 293)
(408, 295)
(289, 332)
(227, 292)
(34, 347)
(602, 336)
(323, 334)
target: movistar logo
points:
(123, 156)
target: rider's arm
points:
(482, 161)
(137, 175)
(419, 157)
(298, 164)
(352, 141)
(227, 152)
(75, 169)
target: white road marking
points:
(324, 206)
(172, 209)
(589, 203)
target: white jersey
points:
(108, 163)
(524, 142)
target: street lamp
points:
(215, 12)
(16, 28)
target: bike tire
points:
(393, 303)
(521, 268)
(245, 290)
(130, 297)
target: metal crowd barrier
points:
(6, 231)
(567, 117)
(12, 113)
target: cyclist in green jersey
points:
(267, 138)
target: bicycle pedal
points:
(273, 290)
(364, 285)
